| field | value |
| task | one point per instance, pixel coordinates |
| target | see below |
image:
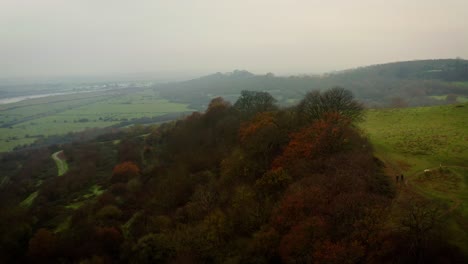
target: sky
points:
(102, 37)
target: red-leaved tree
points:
(322, 138)
(125, 171)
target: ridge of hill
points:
(242, 182)
(436, 69)
(414, 82)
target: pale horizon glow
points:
(102, 37)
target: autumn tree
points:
(42, 246)
(247, 212)
(262, 248)
(125, 171)
(109, 240)
(261, 139)
(152, 248)
(130, 149)
(213, 233)
(217, 108)
(200, 140)
(222, 123)
(323, 137)
(273, 182)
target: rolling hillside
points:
(414, 82)
(430, 146)
(248, 180)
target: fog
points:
(101, 37)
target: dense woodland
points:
(248, 182)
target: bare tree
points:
(337, 99)
(420, 221)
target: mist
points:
(56, 38)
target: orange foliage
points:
(259, 121)
(299, 205)
(109, 238)
(42, 245)
(323, 137)
(297, 244)
(217, 106)
(124, 171)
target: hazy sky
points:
(68, 37)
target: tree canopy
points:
(339, 100)
(251, 102)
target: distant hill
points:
(400, 83)
(444, 69)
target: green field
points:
(26, 121)
(421, 137)
(414, 139)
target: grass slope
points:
(420, 137)
(414, 139)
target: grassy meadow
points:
(421, 137)
(411, 140)
(26, 121)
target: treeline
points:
(247, 182)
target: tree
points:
(323, 137)
(420, 220)
(153, 248)
(109, 239)
(125, 171)
(338, 100)
(274, 182)
(299, 204)
(251, 102)
(109, 212)
(42, 246)
(261, 139)
(262, 248)
(246, 212)
(217, 107)
(130, 149)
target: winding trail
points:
(62, 165)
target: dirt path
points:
(62, 165)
